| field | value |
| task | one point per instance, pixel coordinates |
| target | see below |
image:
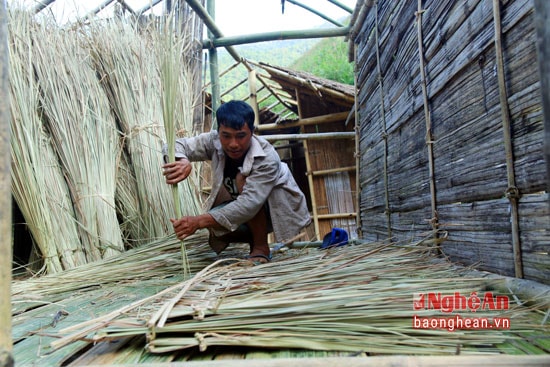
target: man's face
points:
(235, 143)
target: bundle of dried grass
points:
(128, 62)
(171, 58)
(38, 184)
(356, 299)
(156, 260)
(78, 117)
(95, 96)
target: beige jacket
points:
(267, 179)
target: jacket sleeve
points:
(196, 148)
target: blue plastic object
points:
(335, 238)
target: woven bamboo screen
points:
(451, 130)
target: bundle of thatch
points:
(77, 115)
(357, 298)
(129, 67)
(38, 184)
(93, 97)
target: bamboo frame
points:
(332, 170)
(307, 121)
(512, 193)
(336, 215)
(254, 97)
(275, 36)
(214, 67)
(359, 222)
(315, 215)
(311, 136)
(328, 19)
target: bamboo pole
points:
(275, 36)
(211, 25)
(42, 5)
(214, 69)
(6, 358)
(362, 8)
(318, 13)
(429, 138)
(254, 96)
(336, 215)
(542, 17)
(332, 170)
(311, 136)
(341, 6)
(357, 129)
(150, 5)
(333, 117)
(308, 169)
(512, 192)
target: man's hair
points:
(235, 114)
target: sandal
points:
(259, 262)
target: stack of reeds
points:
(77, 115)
(89, 133)
(356, 299)
(38, 183)
(128, 63)
(158, 259)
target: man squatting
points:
(253, 192)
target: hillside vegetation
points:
(325, 58)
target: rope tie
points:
(202, 342)
(512, 192)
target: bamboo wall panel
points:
(470, 171)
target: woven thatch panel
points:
(470, 172)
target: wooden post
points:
(542, 23)
(5, 197)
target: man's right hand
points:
(176, 171)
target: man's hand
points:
(185, 226)
(176, 171)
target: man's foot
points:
(259, 254)
(259, 258)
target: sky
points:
(233, 17)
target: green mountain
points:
(309, 55)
